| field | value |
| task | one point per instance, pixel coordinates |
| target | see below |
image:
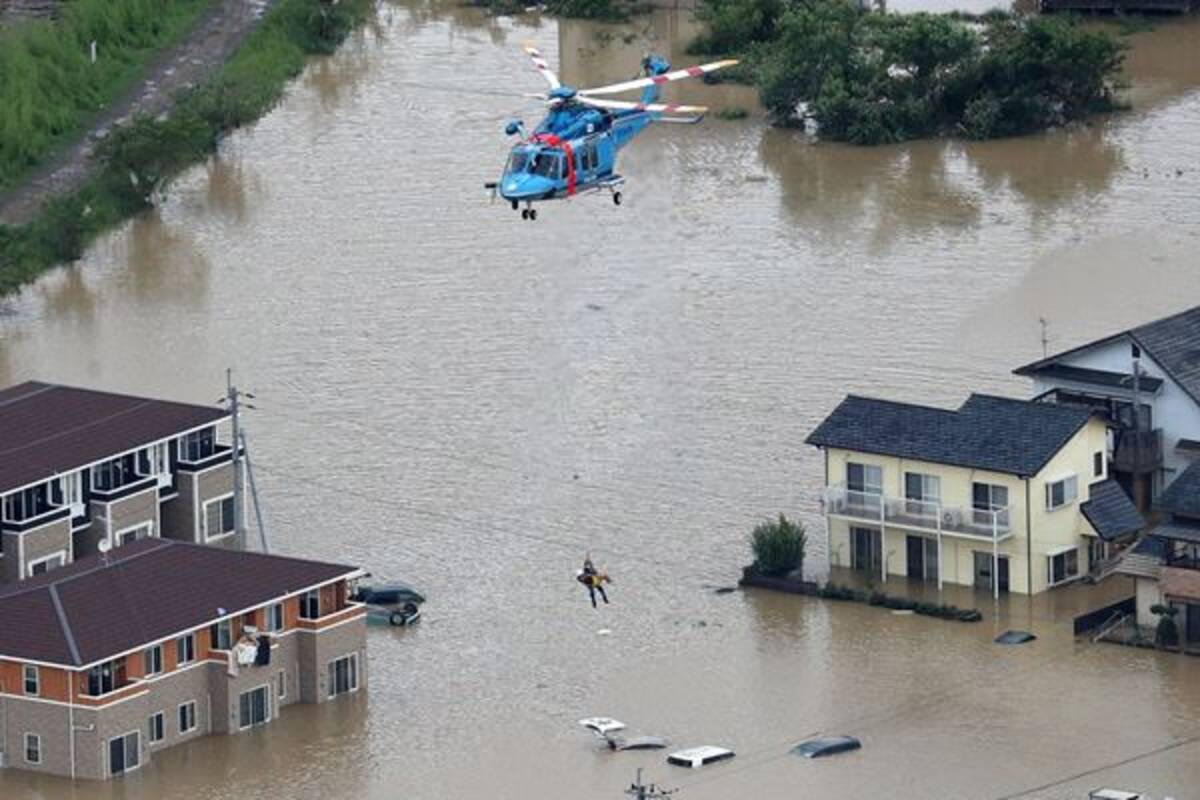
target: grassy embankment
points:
(137, 160)
(49, 87)
(872, 78)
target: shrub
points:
(1166, 634)
(779, 547)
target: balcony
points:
(131, 486)
(43, 515)
(1138, 452)
(919, 515)
(205, 458)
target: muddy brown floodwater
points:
(454, 397)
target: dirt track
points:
(208, 45)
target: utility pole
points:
(233, 397)
(1140, 500)
(1045, 338)
(640, 791)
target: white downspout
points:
(995, 554)
(71, 717)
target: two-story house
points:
(1166, 566)
(1000, 494)
(1155, 437)
(78, 467)
(106, 662)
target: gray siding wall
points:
(179, 514)
(47, 720)
(38, 542)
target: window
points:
(187, 716)
(222, 635)
(199, 445)
(153, 460)
(922, 493)
(218, 517)
(1063, 566)
(281, 684)
(1062, 492)
(275, 618)
(547, 164)
(987, 498)
(310, 605)
(253, 708)
(124, 753)
(72, 491)
(864, 478)
(106, 677)
(343, 675)
(44, 565)
(143, 531)
(31, 680)
(1098, 464)
(27, 504)
(114, 474)
(185, 649)
(157, 727)
(154, 660)
(33, 748)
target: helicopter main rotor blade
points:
(542, 66)
(662, 108)
(677, 75)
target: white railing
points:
(922, 515)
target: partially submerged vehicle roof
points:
(1015, 637)
(602, 725)
(826, 746)
(639, 743)
(699, 756)
(1114, 794)
(391, 592)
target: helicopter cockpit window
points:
(518, 161)
(546, 165)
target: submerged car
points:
(390, 603)
(826, 746)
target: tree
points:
(1167, 633)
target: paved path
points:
(209, 44)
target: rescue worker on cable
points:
(593, 580)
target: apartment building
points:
(78, 467)
(107, 661)
(1000, 494)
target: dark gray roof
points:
(1182, 497)
(1151, 546)
(149, 590)
(1181, 530)
(1095, 377)
(994, 433)
(1173, 342)
(1110, 511)
(46, 428)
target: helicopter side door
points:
(587, 160)
(606, 155)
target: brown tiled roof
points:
(149, 590)
(1182, 583)
(46, 428)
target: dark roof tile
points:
(994, 433)
(1110, 511)
(1182, 497)
(149, 590)
(46, 429)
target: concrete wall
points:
(136, 509)
(1047, 531)
(33, 545)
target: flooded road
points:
(451, 396)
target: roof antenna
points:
(1045, 338)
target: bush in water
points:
(779, 547)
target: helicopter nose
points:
(523, 187)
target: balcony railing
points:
(922, 515)
(135, 484)
(1138, 451)
(218, 454)
(42, 517)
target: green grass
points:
(139, 159)
(50, 89)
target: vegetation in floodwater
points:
(49, 86)
(596, 10)
(137, 160)
(779, 547)
(731, 113)
(872, 78)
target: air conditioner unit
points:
(951, 518)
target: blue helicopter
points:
(574, 149)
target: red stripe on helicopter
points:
(550, 140)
